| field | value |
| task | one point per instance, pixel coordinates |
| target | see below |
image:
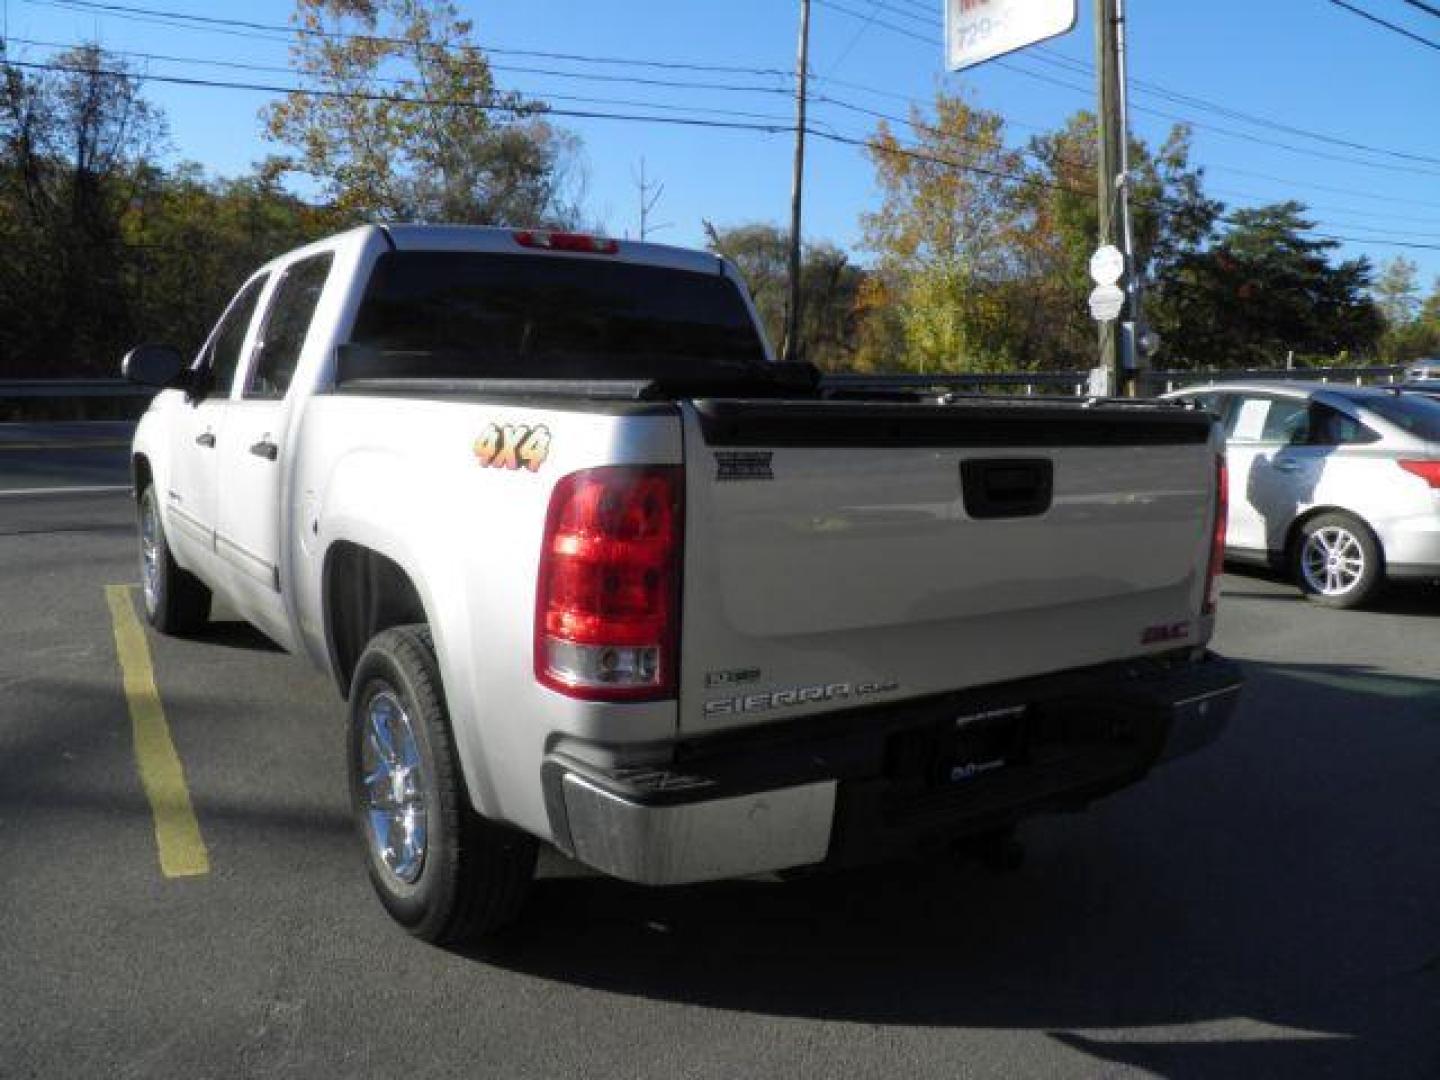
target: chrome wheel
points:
(1333, 561)
(149, 552)
(393, 788)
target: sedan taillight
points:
(1429, 471)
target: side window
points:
(1331, 427)
(223, 355)
(286, 325)
(1270, 420)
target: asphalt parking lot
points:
(1270, 907)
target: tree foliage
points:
(1266, 290)
(72, 147)
(105, 247)
(403, 121)
(829, 287)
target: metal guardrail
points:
(1070, 382)
(71, 388)
(1077, 383)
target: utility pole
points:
(1108, 164)
(790, 351)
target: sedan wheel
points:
(1337, 561)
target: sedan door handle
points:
(207, 440)
(266, 449)
(1288, 466)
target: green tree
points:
(73, 145)
(405, 121)
(1267, 289)
(1174, 221)
(829, 286)
(1397, 292)
(197, 239)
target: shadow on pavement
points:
(234, 635)
(1396, 598)
(1283, 882)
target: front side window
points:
(223, 355)
(286, 325)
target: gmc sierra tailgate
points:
(848, 553)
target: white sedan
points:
(1337, 486)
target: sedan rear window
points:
(1418, 415)
(491, 315)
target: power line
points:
(187, 20)
(1245, 136)
(129, 11)
(358, 95)
(1194, 102)
(1387, 24)
(1427, 8)
(771, 128)
(1045, 55)
(509, 69)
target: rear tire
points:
(441, 870)
(176, 601)
(1337, 561)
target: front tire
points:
(176, 601)
(441, 870)
(1337, 561)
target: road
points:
(1270, 907)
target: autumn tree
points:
(943, 242)
(400, 118)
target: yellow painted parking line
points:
(177, 833)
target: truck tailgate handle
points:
(207, 440)
(266, 449)
(1007, 487)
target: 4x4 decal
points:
(513, 446)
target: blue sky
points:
(1306, 64)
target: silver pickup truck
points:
(592, 570)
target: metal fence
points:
(1076, 383)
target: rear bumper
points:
(852, 787)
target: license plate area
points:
(960, 749)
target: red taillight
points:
(563, 241)
(1217, 537)
(1429, 471)
(608, 598)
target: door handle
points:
(1288, 466)
(207, 440)
(266, 449)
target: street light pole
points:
(791, 349)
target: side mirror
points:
(161, 366)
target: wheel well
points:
(140, 471)
(364, 593)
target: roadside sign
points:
(1106, 302)
(980, 30)
(1107, 265)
